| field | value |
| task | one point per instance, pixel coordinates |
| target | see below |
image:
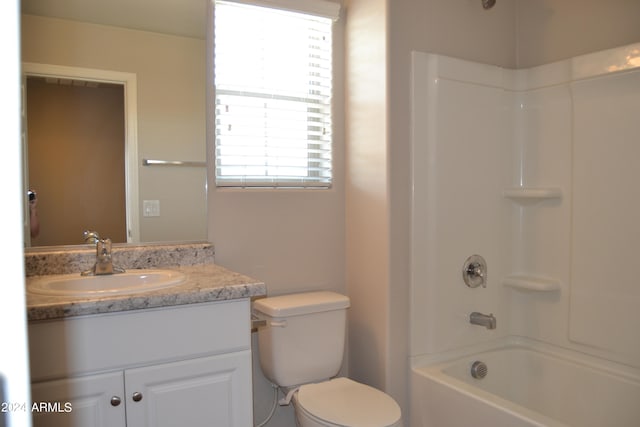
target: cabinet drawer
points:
(118, 340)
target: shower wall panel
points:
(536, 170)
(461, 162)
(541, 226)
(605, 293)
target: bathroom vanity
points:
(174, 356)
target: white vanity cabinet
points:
(184, 365)
(81, 401)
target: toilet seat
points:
(344, 402)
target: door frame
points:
(129, 81)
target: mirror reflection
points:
(161, 44)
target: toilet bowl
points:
(301, 347)
(344, 402)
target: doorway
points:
(80, 153)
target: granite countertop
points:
(205, 282)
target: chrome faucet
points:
(104, 263)
(488, 321)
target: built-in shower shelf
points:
(532, 283)
(529, 195)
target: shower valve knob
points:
(474, 271)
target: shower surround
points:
(536, 170)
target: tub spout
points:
(488, 321)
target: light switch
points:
(151, 208)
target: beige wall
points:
(460, 28)
(355, 237)
(171, 108)
(380, 36)
(551, 30)
(293, 240)
(367, 205)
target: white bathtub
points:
(527, 384)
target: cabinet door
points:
(208, 391)
(79, 402)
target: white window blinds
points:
(273, 97)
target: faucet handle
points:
(91, 237)
(474, 271)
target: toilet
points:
(301, 350)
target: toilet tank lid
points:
(301, 303)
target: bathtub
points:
(526, 384)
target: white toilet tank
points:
(304, 338)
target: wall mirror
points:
(160, 168)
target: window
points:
(273, 96)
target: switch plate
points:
(151, 208)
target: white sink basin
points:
(130, 282)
